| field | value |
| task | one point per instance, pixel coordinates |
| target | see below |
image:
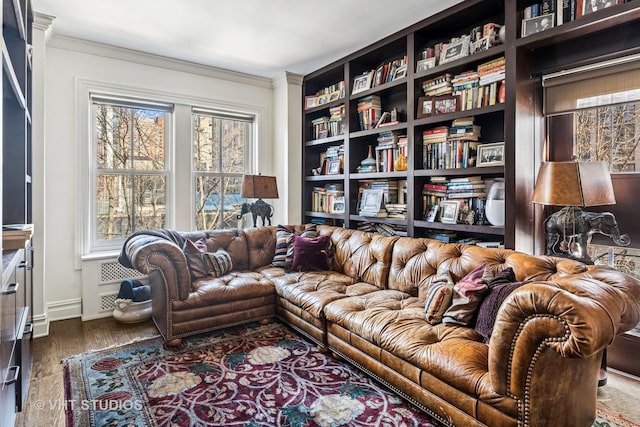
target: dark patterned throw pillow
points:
(283, 256)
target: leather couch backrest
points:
(232, 240)
(416, 262)
(261, 245)
(364, 256)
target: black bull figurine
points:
(260, 209)
(570, 229)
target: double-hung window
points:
(221, 155)
(130, 168)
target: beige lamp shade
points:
(574, 184)
(259, 187)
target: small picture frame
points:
(334, 167)
(490, 154)
(337, 205)
(455, 50)
(425, 107)
(334, 96)
(361, 83)
(323, 99)
(449, 211)
(371, 201)
(432, 213)
(310, 102)
(537, 24)
(425, 64)
(445, 104)
(586, 7)
(400, 72)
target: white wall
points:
(67, 62)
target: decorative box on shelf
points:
(16, 236)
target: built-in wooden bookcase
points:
(607, 33)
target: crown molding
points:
(130, 55)
(42, 21)
(287, 78)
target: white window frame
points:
(249, 166)
(180, 185)
(100, 245)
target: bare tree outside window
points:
(611, 134)
(130, 170)
(220, 152)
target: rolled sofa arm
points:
(149, 253)
(549, 336)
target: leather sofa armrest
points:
(149, 253)
(541, 324)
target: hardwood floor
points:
(45, 403)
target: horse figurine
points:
(260, 209)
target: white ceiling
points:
(258, 37)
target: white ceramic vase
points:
(494, 208)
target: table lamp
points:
(576, 185)
(258, 187)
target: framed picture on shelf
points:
(425, 64)
(361, 83)
(455, 50)
(425, 107)
(334, 167)
(537, 24)
(449, 211)
(310, 102)
(334, 96)
(445, 104)
(371, 201)
(337, 205)
(585, 7)
(432, 213)
(490, 154)
(400, 72)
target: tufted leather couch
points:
(540, 367)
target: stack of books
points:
(337, 125)
(396, 210)
(466, 187)
(369, 111)
(437, 86)
(320, 127)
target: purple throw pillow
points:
(310, 253)
(499, 289)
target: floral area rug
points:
(251, 376)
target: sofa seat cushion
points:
(233, 286)
(313, 290)
(395, 321)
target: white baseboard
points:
(65, 309)
(40, 326)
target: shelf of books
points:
(417, 109)
(550, 22)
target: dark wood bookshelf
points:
(607, 34)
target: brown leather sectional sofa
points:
(540, 367)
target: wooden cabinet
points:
(15, 292)
(15, 331)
